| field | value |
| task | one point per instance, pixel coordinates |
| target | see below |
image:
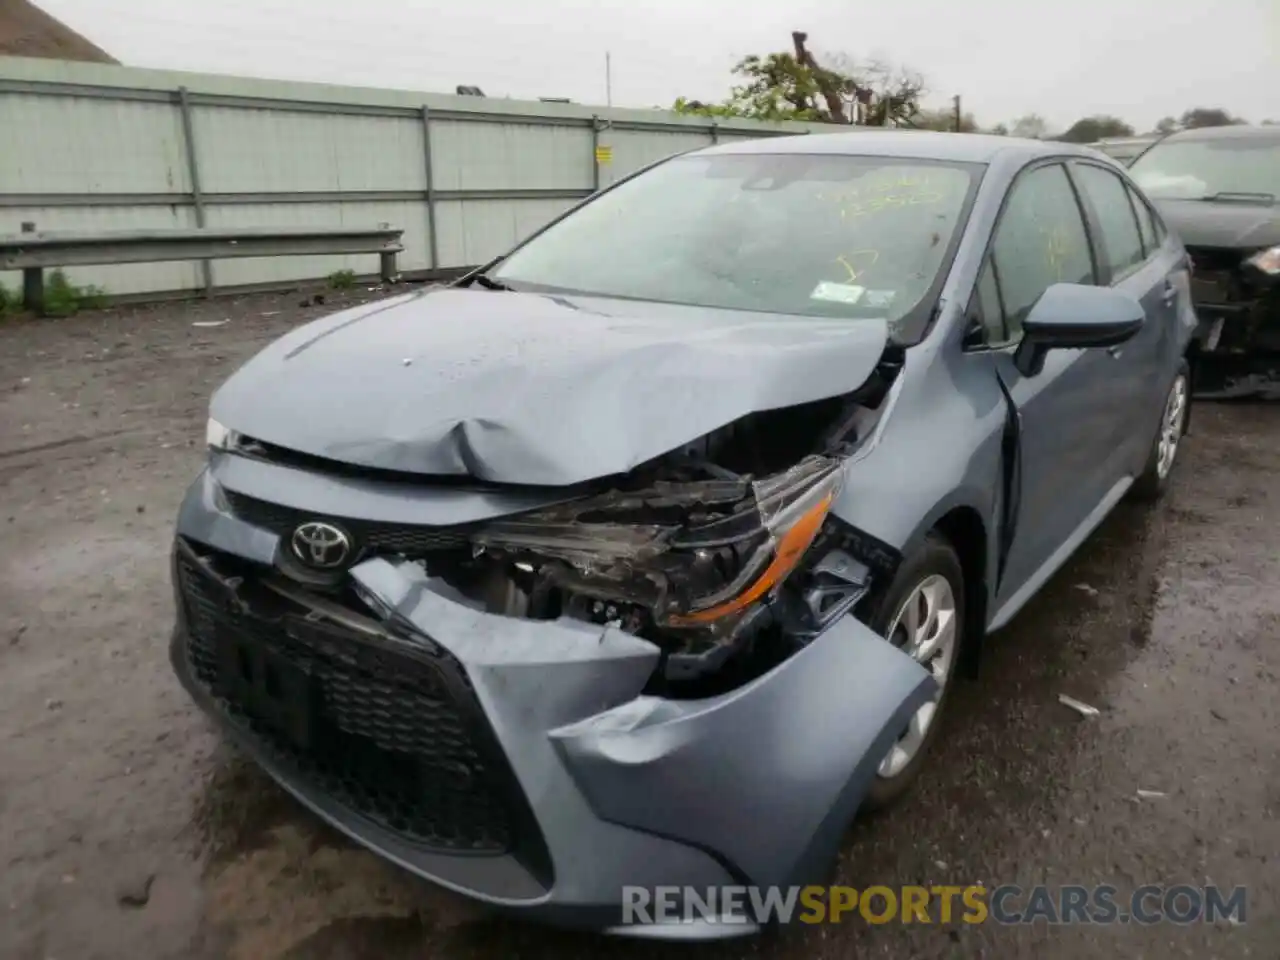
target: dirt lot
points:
(127, 831)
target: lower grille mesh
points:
(391, 736)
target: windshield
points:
(813, 235)
(1202, 169)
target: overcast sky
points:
(1139, 59)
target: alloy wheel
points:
(926, 629)
(1175, 409)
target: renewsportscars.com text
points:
(1005, 904)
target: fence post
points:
(595, 157)
(32, 281)
(193, 173)
(715, 132)
(433, 245)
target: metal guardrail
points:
(32, 252)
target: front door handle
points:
(1170, 294)
(1115, 352)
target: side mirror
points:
(1075, 315)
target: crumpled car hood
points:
(1226, 226)
(532, 389)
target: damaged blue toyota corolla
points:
(647, 553)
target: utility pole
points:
(956, 101)
(608, 79)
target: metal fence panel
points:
(633, 149)
(70, 144)
(95, 146)
(475, 231)
(409, 215)
(486, 156)
(267, 151)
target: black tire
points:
(936, 557)
(1151, 483)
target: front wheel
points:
(1154, 479)
(921, 613)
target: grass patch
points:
(342, 280)
(62, 298)
(10, 301)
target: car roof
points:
(913, 144)
(1239, 131)
(1126, 141)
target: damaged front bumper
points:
(1238, 334)
(520, 762)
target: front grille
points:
(371, 536)
(394, 735)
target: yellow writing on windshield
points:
(886, 192)
(864, 258)
(1058, 251)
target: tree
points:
(999, 130)
(793, 85)
(1166, 126)
(1207, 117)
(1032, 126)
(1091, 129)
(1271, 123)
(942, 119)
(889, 94)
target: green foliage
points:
(696, 108)
(775, 87)
(1207, 117)
(1032, 126)
(342, 280)
(62, 298)
(944, 120)
(1092, 129)
(10, 302)
(781, 86)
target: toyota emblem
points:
(320, 545)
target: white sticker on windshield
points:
(837, 292)
(878, 298)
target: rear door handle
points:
(1170, 294)
(1115, 352)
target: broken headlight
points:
(694, 556)
(218, 437)
(1268, 261)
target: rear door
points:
(1064, 421)
(1130, 260)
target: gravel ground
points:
(127, 830)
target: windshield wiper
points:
(489, 283)
(1243, 196)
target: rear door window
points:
(1146, 223)
(1121, 241)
